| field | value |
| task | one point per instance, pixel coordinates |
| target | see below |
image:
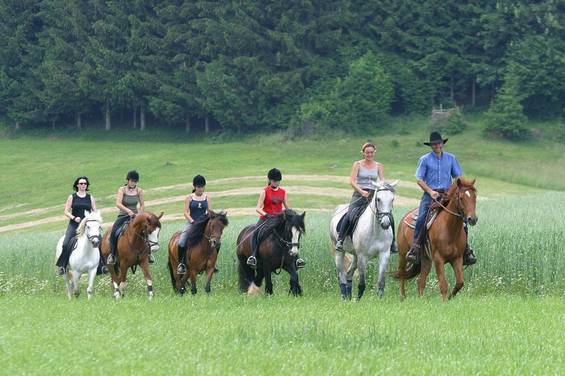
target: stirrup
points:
(111, 260)
(61, 271)
(469, 257)
(181, 268)
(300, 263)
(151, 258)
(393, 248)
(104, 270)
(252, 261)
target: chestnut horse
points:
(203, 245)
(133, 246)
(278, 250)
(446, 239)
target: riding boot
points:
(342, 234)
(469, 256)
(300, 263)
(181, 255)
(252, 260)
(413, 254)
(60, 271)
(111, 260)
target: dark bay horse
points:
(446, 239)
(203, 245)
(278, 250)
(133, 246)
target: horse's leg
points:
(90, 288)
(122, 276)
(193, 276)
(268, 282)
(339, 265)
(349, 277)
(362, 265)
(147, 275)
(76, 283)
(68, 285)
(439, 265)
(457, 266)
(295, 288)
(383, 264)
(426, 266)
(209, 274)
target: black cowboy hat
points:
(435, 137)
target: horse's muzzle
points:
(385, 225)
(95, 240)
(472, 220)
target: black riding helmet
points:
(274, 174)
(133, 175)
(199, 181)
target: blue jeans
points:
(422, 213)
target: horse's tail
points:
(411, 271)
(173, 282)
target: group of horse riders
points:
(435, 173)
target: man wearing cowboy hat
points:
(434, 173)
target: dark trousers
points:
(357, 202)
(66, 252)
(113, 236)
(257, 237)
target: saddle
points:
(122, 229)
(412, 217)
(354, 216)
(72, 244)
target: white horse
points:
(372, 236)
(85, 256)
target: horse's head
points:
(153, 226)
(382, 203)
(215, 227)
(91, 225)
(294, 224)
(467, 199)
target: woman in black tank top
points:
(77, 203)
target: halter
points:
(92, 237)
(459, 213)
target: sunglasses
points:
(82, 183)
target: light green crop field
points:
(508, 319)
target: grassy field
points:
(507, 320)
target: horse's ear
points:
(473, 182)
(303, 215)
(459, 182)
(86, 213)
(160, 215)
(284, 215)
(394, 183)
(212, 213)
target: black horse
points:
(279, 241)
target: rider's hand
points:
(77, 219)
(364, 193)
(434, 195)
(131, 213)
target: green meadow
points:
(508, 319)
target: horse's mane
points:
(286, 217)
(451, 193)
(92, 216)
(196, 232)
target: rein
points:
(458, 214)
(379, 215)
(285, 245)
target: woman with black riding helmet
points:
(128, 199)
(196, 207)
(270, 203)
(75, 207)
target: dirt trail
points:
(297, 190)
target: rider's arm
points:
(353, 179)
(186, 213)
(119, 198)
(285, 202)
(427, 189)
(68, 205)
(261, 204)
(141, 199)
(93, 203)
(381, 172)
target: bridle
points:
(91, 238)
(459, 212)
(380, 214)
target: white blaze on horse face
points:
(295, 238)
(468, 194)
(154, 239)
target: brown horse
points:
(446, 239)
(133, 246)
(278, 250)
(203, 246)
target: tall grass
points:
(518, 241)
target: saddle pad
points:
(412, 217)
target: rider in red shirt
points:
(270, 203)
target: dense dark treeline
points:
(251, 65)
